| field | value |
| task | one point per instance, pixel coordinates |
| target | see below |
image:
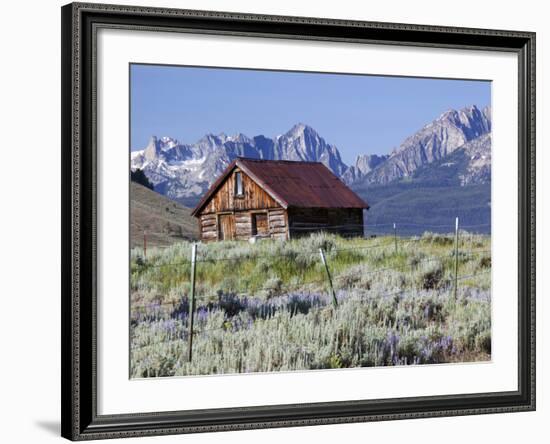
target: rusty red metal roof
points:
(293, 184)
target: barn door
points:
(226, 230)
(259, 224)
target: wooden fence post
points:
(324, 260)
(192, 300)
(395, 236)
(456, 260)
(145, 244)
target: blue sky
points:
(359, 114)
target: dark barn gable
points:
(279, 200)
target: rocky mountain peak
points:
(300, 129)
(471, 120)
(153, 149)
(364, 164)
(301, 132)
(441, 137)
(239, 138)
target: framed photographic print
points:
(275, 221)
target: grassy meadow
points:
(267, 306)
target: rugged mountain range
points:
(433, 142)
(184, 172)
(364, 164)
(470, 164)
(454, 149)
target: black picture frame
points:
(80, 420)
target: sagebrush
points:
(267, 307)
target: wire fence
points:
(366, 226)
(403, 241)
(365, 230)
(397, 246)
(285, 255)
(247, 291)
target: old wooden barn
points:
(278, 199)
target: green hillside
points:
(417, 207)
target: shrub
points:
(431, 278)
(483, 342)
(398, 316)
(441, 240)
(485, 262)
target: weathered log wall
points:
(277, 226)
(284, 225)
(343, 221)
(208, 227)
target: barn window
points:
(239, 184)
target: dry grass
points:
(165, 221)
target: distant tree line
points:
(139, 176)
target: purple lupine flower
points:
(202, 314)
